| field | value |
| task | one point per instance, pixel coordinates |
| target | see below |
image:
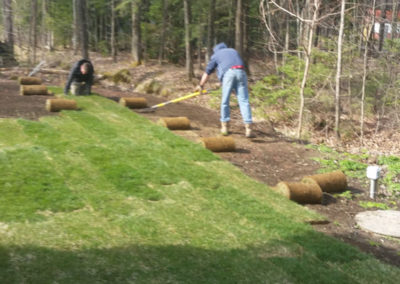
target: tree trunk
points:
(364, 78)
(163, 30)
(199, 45)
(231, 24)
(43, 24)
(136, 32)
(287, 40)
(246, 27)
(239, 27)
(304, 27)
(395, 8)
(188, 48)
(34, 16)
(272, 40)
(113, 38)
(382, 26)
(83, 28)
(8, 25)
(339, 70)
(75, 27)
(307, 65)
(210, 29)
(299, 28)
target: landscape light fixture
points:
(373, 173)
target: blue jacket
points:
(75, 75)
(223, 59)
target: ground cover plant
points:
(355, 165)
(102, 195)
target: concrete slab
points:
(384, 222)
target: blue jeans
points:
(235, 79)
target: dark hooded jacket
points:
(223, 59)
(75, 75)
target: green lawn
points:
(103, 195)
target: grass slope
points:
(102, 195)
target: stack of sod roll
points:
(311, 188)
(32, 86)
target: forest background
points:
(329, 68)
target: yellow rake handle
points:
(179, 99)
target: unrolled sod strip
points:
(34, 90)
(60, 104)
(138, 102)
(330, 182)
(304, 193)
(30, 80)
(219, 144)
(175, 123)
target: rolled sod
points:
(219, 144)
(34, 90)
(138, 102)
(60, 104)
(304, 193)
(330, 182)
(175, 123)
(30, 80)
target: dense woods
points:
(329, 65)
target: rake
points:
(153, 108)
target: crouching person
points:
(80, 79)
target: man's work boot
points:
(224, 128)
(249, 133)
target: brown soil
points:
(269, 158)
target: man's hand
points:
(199, 89)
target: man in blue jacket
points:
(80, 79)
(230, 71)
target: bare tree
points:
(113, 31)
(312, 6)
(272, 40)
(136, 32)
(201, 28)
(307, 59)
(395, 9)
(210, 29)
(287, 40)
(163, 30)
(239, 27)
(8, 25)
(382, 25)
(339, 70)
(188, 36)
(75, 27)
(33, 30)
(82, 27)
(370, 27)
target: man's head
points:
(219, 46)
(85, 68)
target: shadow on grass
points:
(383, 251)
(310, 258)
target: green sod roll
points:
(304, 193)
(330, 182)
(138, 102)
(34, 90)
(175, 123)
(219, 144)
(53, 105)
(30, 80)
